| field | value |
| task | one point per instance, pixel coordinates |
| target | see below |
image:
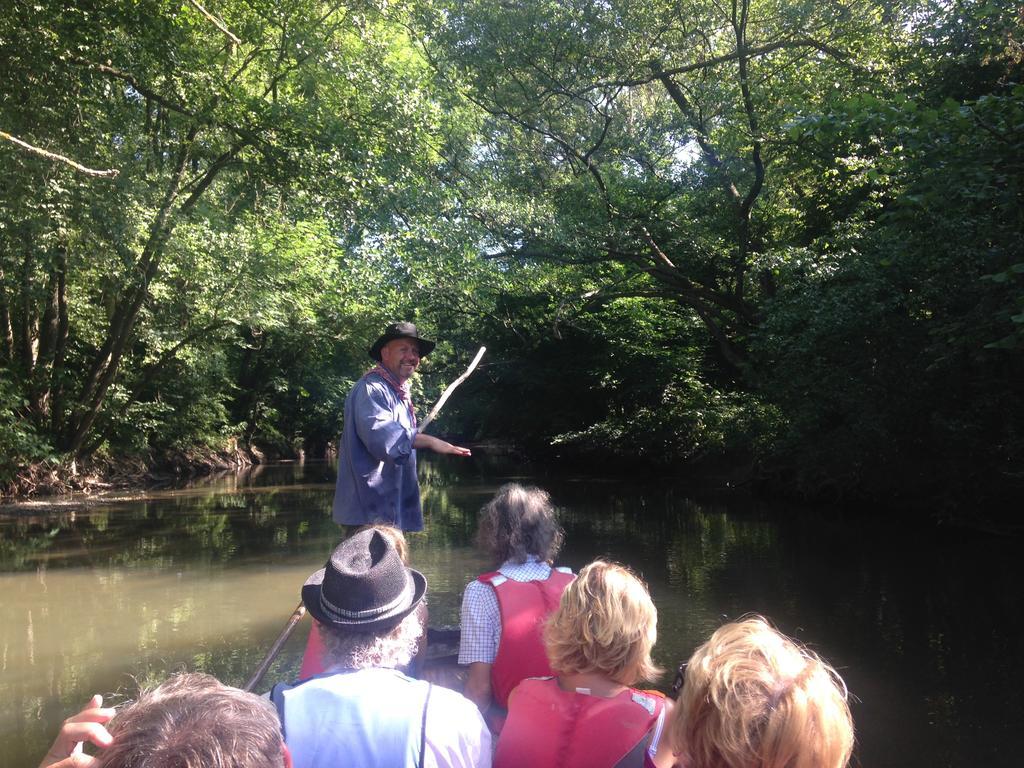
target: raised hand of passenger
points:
(87, 725)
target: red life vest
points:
(312, 659)
(551, 728)
(523, 605)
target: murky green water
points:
(926, 626)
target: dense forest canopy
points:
(783, 236)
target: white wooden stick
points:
(451, 388)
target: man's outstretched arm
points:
(438, 446)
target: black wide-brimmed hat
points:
(365, 586)
(401, 331)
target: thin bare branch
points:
(703, 141)
(655, 249)
(761, 50)
(725, 58)
(451, 388)
(108, 174)
(216, 22)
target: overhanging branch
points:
(108, 174)
(216, 22)
(135, 84)
(725, 58)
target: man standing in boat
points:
(377, 456)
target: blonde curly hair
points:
(606, 623)
(754, 698)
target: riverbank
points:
(101, 473)
(735, 474)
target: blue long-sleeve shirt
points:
(376, 461)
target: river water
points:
(924, 624)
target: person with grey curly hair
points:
(503, 611)
(364, 712)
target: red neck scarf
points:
(401, 391)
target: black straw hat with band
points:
(365, 586)
(401, 331)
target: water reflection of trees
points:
(925, 626)
(132, 534)
(72, 567)
(231, 520)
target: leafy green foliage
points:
(893, 347)
(831, 191)
(787, 231)
(231, 267)
(20, 444)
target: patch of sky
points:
(483, 151)
(922, 19)
(685, 153)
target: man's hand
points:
(455, 450)
(438, 446)
(87, 725)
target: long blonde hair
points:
(754, 698)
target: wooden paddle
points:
(261, 670)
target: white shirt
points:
(372, 718)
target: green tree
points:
(117, 290)
(895, 347)
(651, 135)
(830, 189)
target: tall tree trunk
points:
(122, 324)
(6, 331)
(60, 344)
(40, 383)
(24, 326)
(753, 124)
